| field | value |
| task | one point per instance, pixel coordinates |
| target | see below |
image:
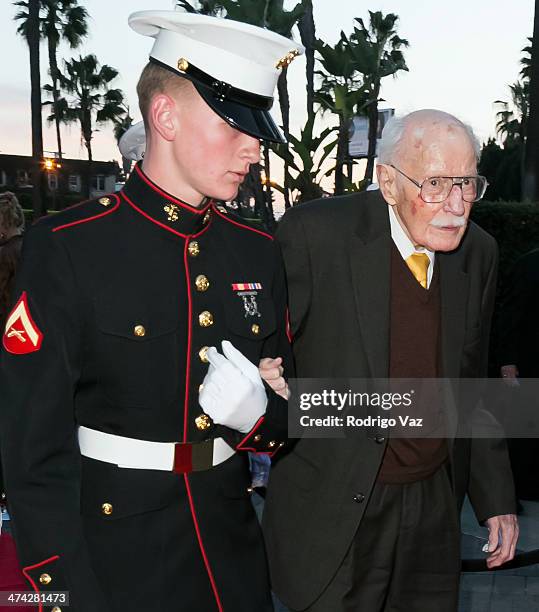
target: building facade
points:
(66, 181)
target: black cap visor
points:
(253, 121)
(243, 110)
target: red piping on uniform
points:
(252, 229)
(189, 325)
(257, 425)
(103, 214)
(154, 187)
(133, 205)
(288, 327)
(34, 585)
(185, 414)
(199, 537)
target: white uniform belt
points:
(146, 455)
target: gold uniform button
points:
(207, 217)
(257, 438)
(56, 609)
(183, 64)
(106, 508)
(104, 201)
(272, 444)
(203, 354)
(203, 422)
(205, 318)
(45, 579)
(202, 283)
(139, 331)
(255, 329)
(222, 209)
(193, 248)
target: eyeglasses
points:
(436, 189)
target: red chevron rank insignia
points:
(21, 335)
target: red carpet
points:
(11, 578)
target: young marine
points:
(129, 386)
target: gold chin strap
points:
(419, 264)
(287, 59)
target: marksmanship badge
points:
(248, 293)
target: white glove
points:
(233, 393)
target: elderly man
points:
(396, 283)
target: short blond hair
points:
(155, 80)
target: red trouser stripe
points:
(199, 537)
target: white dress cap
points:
(234, 66)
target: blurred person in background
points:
(11, 231)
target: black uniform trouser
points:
(405, 556)
(152, 561)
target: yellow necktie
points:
(419, 264)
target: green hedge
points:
(515, 227)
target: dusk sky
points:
(462, 56)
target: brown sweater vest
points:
(414, 353)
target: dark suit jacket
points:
(337, 258)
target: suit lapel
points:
(454, 286)
(370, 251)
(370, 262)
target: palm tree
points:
(205, 7)
(513, 126)
(530, 177)
(307, 31)
(341, 92)
(307, 159)
(87, 99)
(512, 117)
(376, 50)
(59, 20)
(31, 33)
(526, 61)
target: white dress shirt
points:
(405, 245)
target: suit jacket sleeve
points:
(491, 487)
(39, 445)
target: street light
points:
(50, 164)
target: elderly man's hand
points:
(502, 539)
(271, 371)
